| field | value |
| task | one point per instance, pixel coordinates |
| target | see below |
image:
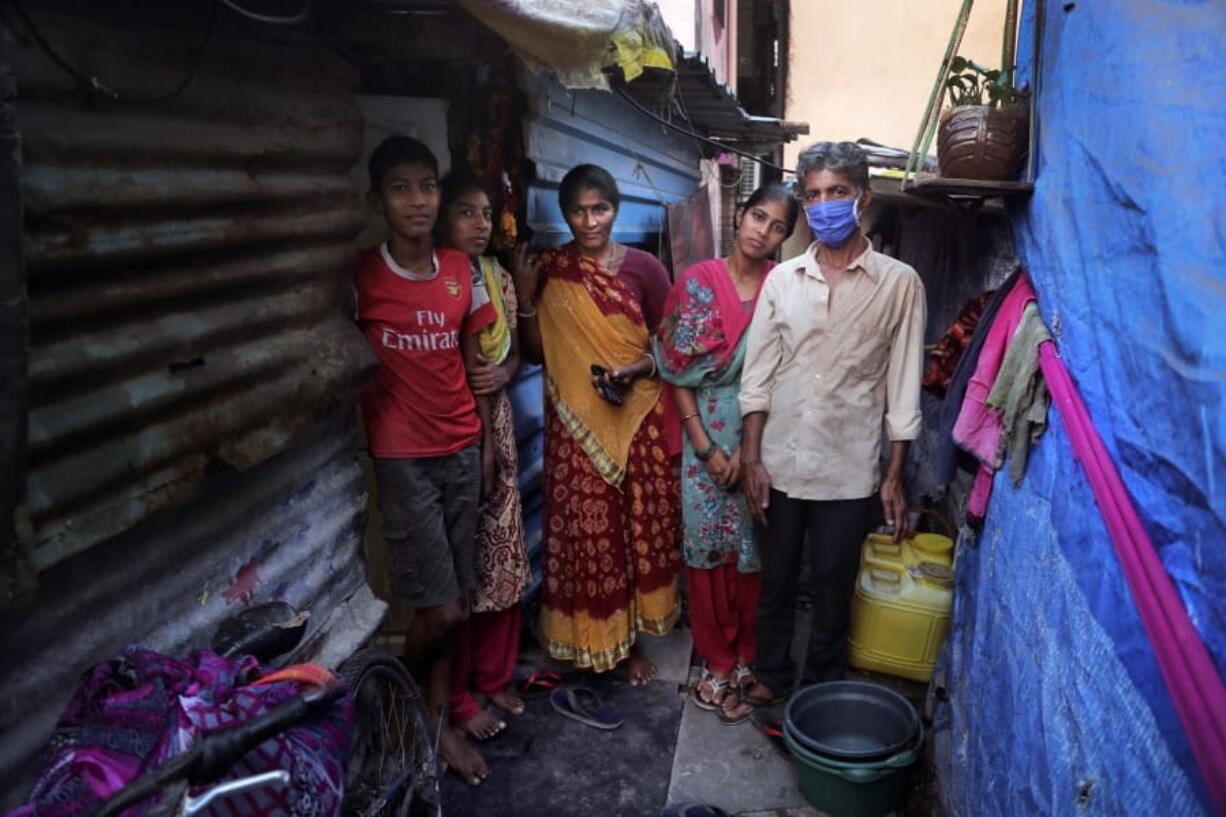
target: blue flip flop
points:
(582, 704)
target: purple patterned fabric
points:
(129, 714)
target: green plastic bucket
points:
(850, 789)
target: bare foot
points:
(462, 757)
(640, 669)
(482, 726)
(508, 701)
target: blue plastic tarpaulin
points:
(1056, 705)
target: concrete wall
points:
(866, 69)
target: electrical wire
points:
(97, 85)
(685, 131)
(289, 20)
(685, 111)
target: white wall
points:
(680, 17)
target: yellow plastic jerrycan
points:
(900, 608)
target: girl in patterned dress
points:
(486, 645)
(700, 348)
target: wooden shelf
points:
(932, 186)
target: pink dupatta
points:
(704, 317)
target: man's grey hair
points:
(847, 158)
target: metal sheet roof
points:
(710, 107)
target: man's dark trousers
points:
(834, 531)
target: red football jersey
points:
(419, 404)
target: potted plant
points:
(983, 135)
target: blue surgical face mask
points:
(834, 222)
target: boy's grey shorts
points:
(430, 509)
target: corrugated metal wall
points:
(184, 265)
(288, 529)
(191, 444)
(16, 572)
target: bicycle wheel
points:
(394, 766)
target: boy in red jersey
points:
(420, 309)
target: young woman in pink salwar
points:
(700, 349)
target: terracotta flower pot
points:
(978, 142)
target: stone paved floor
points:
(669, 751)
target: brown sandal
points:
(733, 698)
(755, 701)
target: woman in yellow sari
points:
(588, 309)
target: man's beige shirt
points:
(829, 375)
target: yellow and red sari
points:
(612, 495)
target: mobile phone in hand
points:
(604, 385)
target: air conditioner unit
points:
(750, 178)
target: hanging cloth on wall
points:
(979, 427)
(1192, 679)
(944, 355)
(1019, 393)
(947, 451)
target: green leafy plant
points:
(969, 83)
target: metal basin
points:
(851, 720)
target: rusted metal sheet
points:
(289, 529)
(185, 261)
(191, 372)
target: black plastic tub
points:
(851, 720)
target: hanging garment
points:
(945, 354)
(977, 428)
(1019, 393)
(948, 454)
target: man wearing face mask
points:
(835, 351)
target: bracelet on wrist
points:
(529, 314)
(689, 417)
(705, 454)
(654, 368)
